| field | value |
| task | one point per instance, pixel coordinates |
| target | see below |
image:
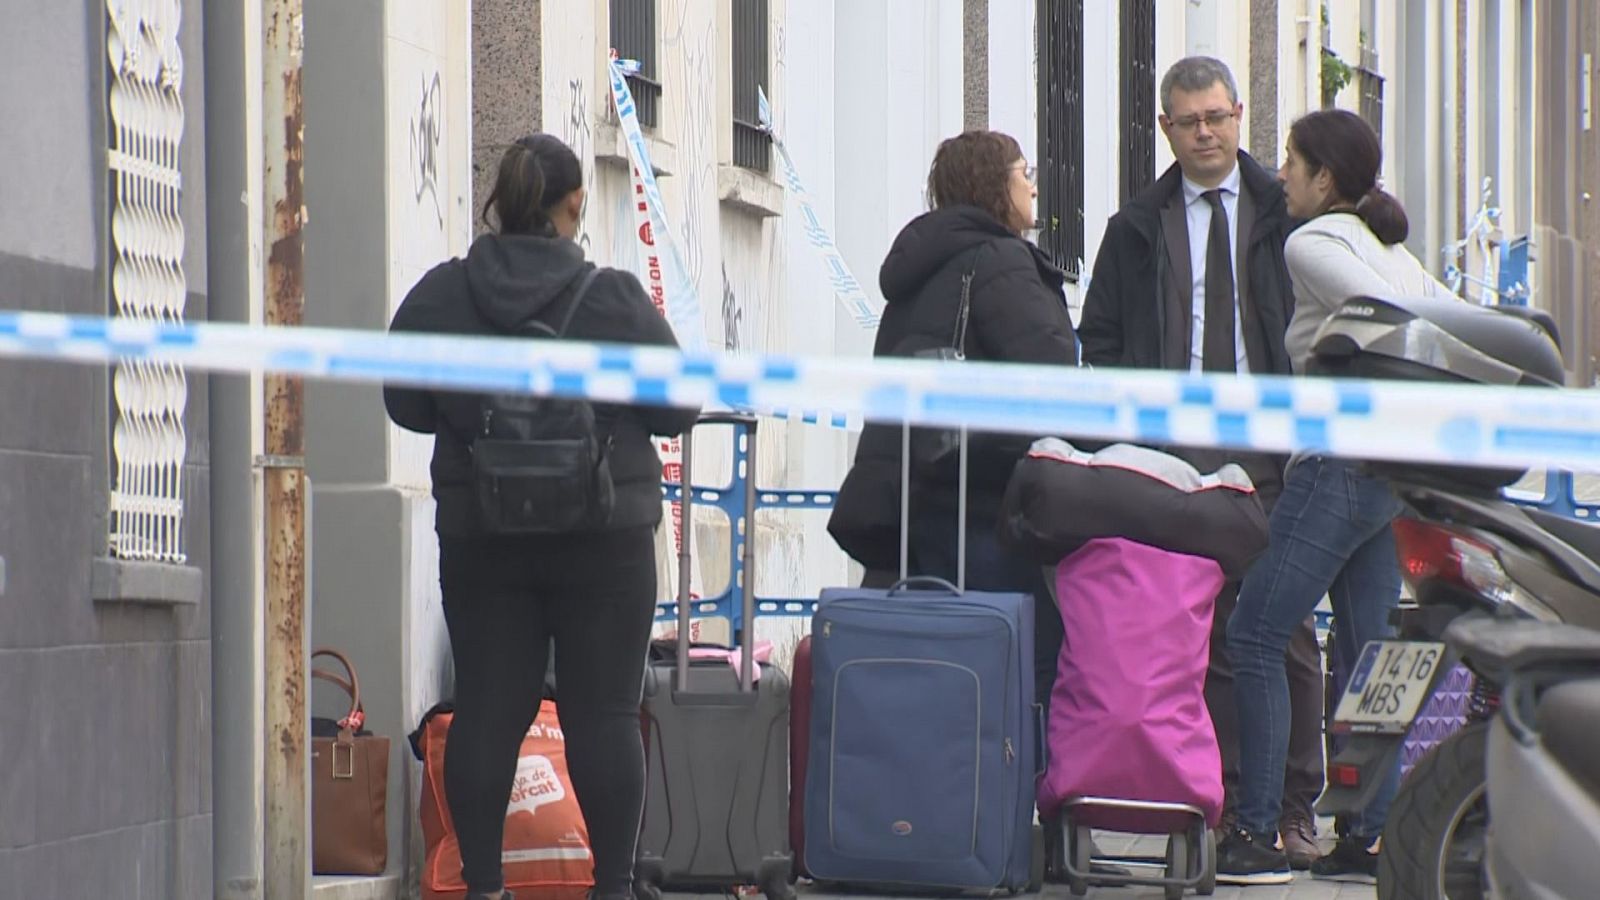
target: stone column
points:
(1264, 81)
(975, 64)
(507, 79)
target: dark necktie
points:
(1217, 351)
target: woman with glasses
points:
(961, 276)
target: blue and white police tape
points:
(679, 299)
(865, 310)
(1438, 423)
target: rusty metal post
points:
(287, 859)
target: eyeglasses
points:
(1031, 173)
(1214, 120)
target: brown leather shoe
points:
(1298, 834)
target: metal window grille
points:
(148, 443)
(1138, 83)
(633, 36)
(751, 146)
(1371, 85)
(1060, 43)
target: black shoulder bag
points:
(934, 451)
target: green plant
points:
(1336, 73)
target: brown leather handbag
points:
(349, 786)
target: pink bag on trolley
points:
(1128, 717)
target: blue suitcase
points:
(924, 739)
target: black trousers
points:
(505, 602)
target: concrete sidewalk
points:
(1304, 886)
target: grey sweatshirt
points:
(1335, 257)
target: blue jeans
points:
(1330, 534)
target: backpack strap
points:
(577, 300)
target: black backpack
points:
(538, 463)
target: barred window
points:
(633, 36)
(751, 147)
(1059, 25)
(1138, 82)
(1371, 85)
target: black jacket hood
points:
(930, 241)
(514, 277)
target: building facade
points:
(105, 473)
(132, 562)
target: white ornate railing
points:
(147, 277)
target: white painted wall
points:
(1172, 37)
(428, 105)
(1013, 79)
(1344, 21)
(429, 101)
(1102, 143)
(897, 93)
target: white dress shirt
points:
(1198, 213)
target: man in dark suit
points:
(1191, 276)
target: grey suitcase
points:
(716, 812)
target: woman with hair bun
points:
(1330, 531)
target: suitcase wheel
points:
(778, 889)
(1177, 864)
(646, 890)
(1037, 861)
(1206, 865)
(1079, 842)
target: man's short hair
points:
(1193, 74)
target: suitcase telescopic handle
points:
(680, 675)
(905, 507)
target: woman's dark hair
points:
(974, 169)
(535, 173)
(1343, 143)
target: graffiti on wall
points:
(578, 137)
(732, 315)
(426, 134)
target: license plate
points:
(1388, 687)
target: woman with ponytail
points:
(1330, 531)
(507, 597)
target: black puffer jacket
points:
(505, 281)
(1018, 314)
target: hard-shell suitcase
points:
(716, 747)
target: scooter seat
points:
(1569, 724)
(1498, 646)
(1579, 535)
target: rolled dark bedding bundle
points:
(1060, 496)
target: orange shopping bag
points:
(546, 849)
